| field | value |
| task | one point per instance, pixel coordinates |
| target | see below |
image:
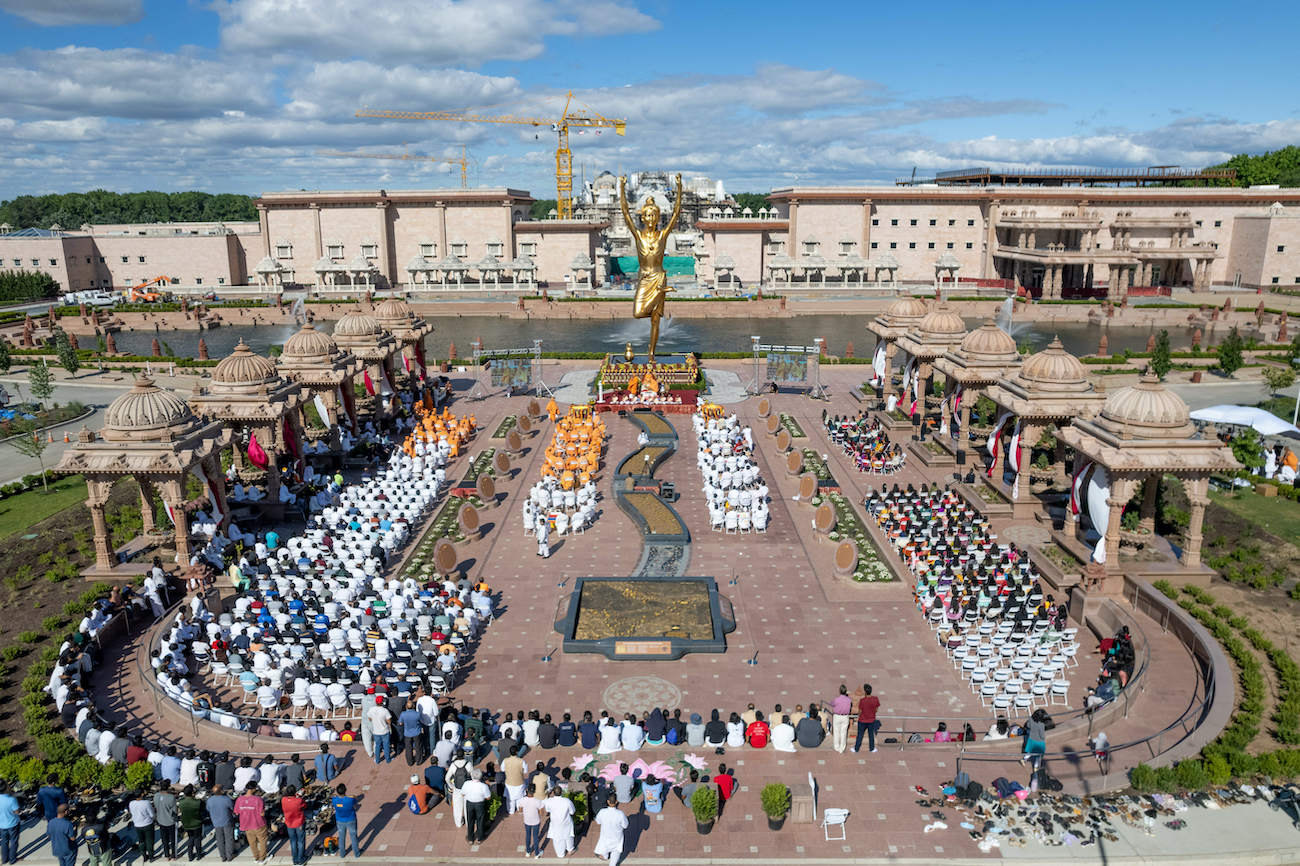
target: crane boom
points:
(462, 160)
(563, 156)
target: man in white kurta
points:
(560, 830)
(612, 824)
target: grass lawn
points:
(17, 513)
(1279, 516)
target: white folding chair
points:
(834, 818)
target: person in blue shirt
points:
(435, 776)
(321, 624)
(10, 825)
(50, 798)
(412, 733)
(221, 811)
(272, 540)
(170, 768)
(327, 766)
(345, 815)
(63, 837)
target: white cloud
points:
(60, 13)
(128, 83)
(440, 32)
(339, 88)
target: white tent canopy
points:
(1265, 423)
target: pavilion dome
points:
(308, 344)
(1147, 410)
(907, 308)
(941, 325)
(145, 409)
(356, 324)
(394, 313)
(990, 341)
(1054, 369)
(244, 367)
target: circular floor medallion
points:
(640, 695)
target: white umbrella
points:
(1265, 423)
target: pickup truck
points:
(95, 298)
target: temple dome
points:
(356, 324)
(244, 367)
(989, 341)
(1054, 369)
(146, 408)
(308, 343)
(1147, 410)
(907, 308)
(394, 312)
(941, 323)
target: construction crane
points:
(462, 160)
(563, 156)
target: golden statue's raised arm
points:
(622, 203)
(677, 209)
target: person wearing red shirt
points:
(136, 753)
(726, 785)
(758, 731)
(868, 706)
(251, 811)
(294, 820)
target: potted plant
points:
(776, 804)
(704, 803)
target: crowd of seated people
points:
(733, 487)
(1118, 661)
(565, 496)
(863, 439)
(982, 598)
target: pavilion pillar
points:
(1021, 506)
(866, 232)
(1121, 490)
(146, 507)
(266, 233)
(440, 208)
(316, 233)
(962, 435)
(792, 234)
(1196, 496)
(1150, 486)
(97, 491)
(887, 383)
(173, 493)
(385, 248)
(270, 439)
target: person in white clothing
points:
(560, 829)
(612, 824)
(543, 537)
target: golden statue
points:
(652, 282)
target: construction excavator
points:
(140, 294)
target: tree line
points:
(1281, 167)
(73, 209)
(26, 286)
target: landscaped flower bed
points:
(507, 424)
(792, 426)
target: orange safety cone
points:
(65, 436)
(50, 438)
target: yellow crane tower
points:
(462, 160)
(563, 156)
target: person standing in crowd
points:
(99, 839)
(381, 723)
(532, 809)
(345, 816)
(868, 707)
(327, 766)
(142, 819)
(10, 824)
(612, 823)
(189, 814)
(221, 812)
(457, 778)
(49, 797)
(476, 795)
(293, 808)
(560, 830)
(840, 706)
(251, 811)
(726, 782)
(164, 810)
(513, 767)
(63, 836)
(413, 734)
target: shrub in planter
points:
(1191, 775)
(84, 773)
(775, 799)
(1289, 762)
(33, 772)
(1166, 780)
(139, 776)
(1241, 764)
(10, 764)
(31, 637)
(12, 653)
(1142, 778)
(59, 748)
(1217, 769)
(112, 776)
(704, 804)
(1269, 766)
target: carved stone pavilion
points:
(1143, 433)
(985, 355)
(361, 335)
(1051, 390)
(939, 332)
(153, 435)
(325, 372)
(899, 318)
(249, 396)
(397, 318)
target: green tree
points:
(541, 208)
(1277, 166)
(1161, 357)
(1279, 378)
(71, 210)
(30, 443)
(6, 360)
(27, 286)
(751, 200)
(1248, 448)
(40, 381)
(1230, 353)
(67, 355)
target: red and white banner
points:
(1076, 483)
(370, 385)
(211, 487)
(995, 440)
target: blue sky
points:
(239, 95)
